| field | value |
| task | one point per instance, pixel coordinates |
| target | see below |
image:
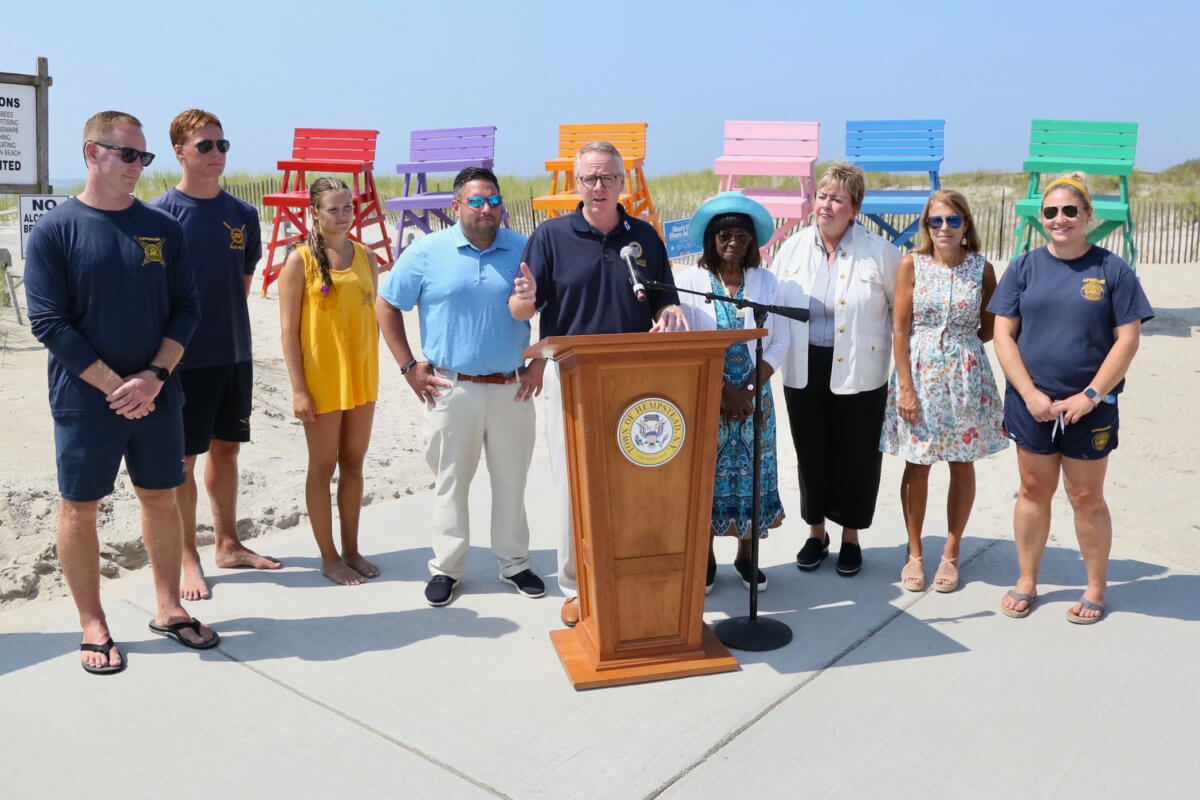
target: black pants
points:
(837, 444)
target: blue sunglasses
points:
(477, 201)
(953, 220)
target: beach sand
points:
(1152, 489)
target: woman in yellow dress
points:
(331, 347)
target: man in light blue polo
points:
(473, 382)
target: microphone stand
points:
(751, 632)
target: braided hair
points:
(316, 242)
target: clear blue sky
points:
(684, 67)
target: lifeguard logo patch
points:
(651, 432)
(237, 236)
(152, 249)
(1093, 288)
(1100, 437)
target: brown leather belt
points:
(495, 377)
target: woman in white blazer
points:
(729, 228)
(836, 370)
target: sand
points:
(1153, 489)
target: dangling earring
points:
(964, 241)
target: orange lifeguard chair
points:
(326, 150)
(630, 140)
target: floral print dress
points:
(961, 410)
(733, 492)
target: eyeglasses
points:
(741, 237)
(953, 220)
(607, 180)
(477, 200)
(128, 154)
(1070, 212)
(206, 145)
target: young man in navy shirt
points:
(216, 372)
(573, 273)
(112, 296)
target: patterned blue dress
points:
(733, 492)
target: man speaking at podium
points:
(578, 271)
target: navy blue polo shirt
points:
(582, 281)
(1068, 310)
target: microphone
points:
(639, 291)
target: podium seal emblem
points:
(651, 432)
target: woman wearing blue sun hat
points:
(729, 228)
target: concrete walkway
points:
(321, 690)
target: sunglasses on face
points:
(953, 220)
(607, 180)
(741, 237)
(477, 200)
(1070, 212)
(205, 146)
(128, 154)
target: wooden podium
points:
(640, 416)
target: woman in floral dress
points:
(943, 404)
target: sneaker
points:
(813, 552)
(711, 577)
(743, 571)
(849, 560)
(528, 584)
(439, 590)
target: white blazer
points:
(862, 321)
(761, 287)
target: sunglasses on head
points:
(953, 220)
(206, 145)
(128, 154)
(477, 200)
(741, 237)
(1070, 212)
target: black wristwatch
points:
(162, 373)
(404, 370)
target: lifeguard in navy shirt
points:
(111, 294)
(1068, 321)
(573, 274)
(216, 371)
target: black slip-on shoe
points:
(812, 553)
(710, 577)
(849, 560)
(743, 571)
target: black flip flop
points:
(172, 632)
(107, 669)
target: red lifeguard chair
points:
(326, 150)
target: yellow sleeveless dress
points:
(338, 334)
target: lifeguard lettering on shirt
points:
(152, 248)
(1093, 288)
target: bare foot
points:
(338, 572)
(193, 586)
(360, 565)
(245, 558)
(179, 615)
(97, 633)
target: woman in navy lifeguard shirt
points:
(1068, 320)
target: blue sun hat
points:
(731, 203)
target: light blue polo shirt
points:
(461, 295)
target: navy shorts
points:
(216, 405)
(1090, 438)
(89, 449)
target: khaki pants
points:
(467, 419)
(560, 491)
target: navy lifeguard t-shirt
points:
(583, 283)
(109, 286)
(225, 244)
(1068, 311)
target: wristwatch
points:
(162, 373)
(404, 370)
(1093, 395)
